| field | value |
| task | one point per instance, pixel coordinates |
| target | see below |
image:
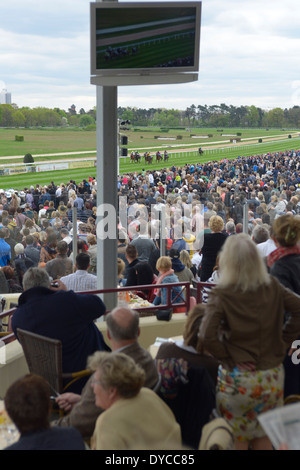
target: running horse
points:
(158, 156)
(148, 157)
(166, 156)
(135, 157)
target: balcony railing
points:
(179, 302)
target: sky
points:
(249, 55)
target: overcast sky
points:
(249, 55)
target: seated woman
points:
(190, 348)
(134, 417)
(166, 276)
(27, 403)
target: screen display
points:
(144, 36)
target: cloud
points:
(248, 55)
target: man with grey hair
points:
(230, 227)
(54, 312)
(260, 234)
(123, 331)
(143, 243)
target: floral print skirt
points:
(243, 395)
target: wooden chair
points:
(44, 357)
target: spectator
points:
(260, 234)
(121, 269)
(132, 258)
(61, 265)
(183, 273)
(81, 279)
(21, 261)
(213, 243)
(5, 250)
(123, 331)
(143, 243)
(64, 233)
(134, 417)
(27, 402)
(48, 250)
(244, 329)
(230, 227)
(166, 276)
(284, 264)
(31, 251)
(61, 314)
(92, 252)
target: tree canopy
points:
(219, 116)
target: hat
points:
(174, 253)
(19, 249)
(216, 435)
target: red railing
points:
(184, 296)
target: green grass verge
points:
(176, 158)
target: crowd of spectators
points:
(205, 204)
(41, 217)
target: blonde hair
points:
(286, 230)
(91, 239)
(241, 266)
(216, 223)
(164, 263)
(118, 370)
(121, 266)
(185, 258)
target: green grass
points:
(69, 140)
(41, 141)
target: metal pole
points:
(245, 218)
(74, 228)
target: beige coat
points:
(242, 327)
(139, 423)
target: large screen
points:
(144, 37)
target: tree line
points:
(218, 116)
(13, 116)
(211, 116)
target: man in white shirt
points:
(81, 279)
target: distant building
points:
(5, 97)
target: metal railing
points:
(179, 301)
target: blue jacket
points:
(174, 292)
(5, 252)
(54, 438)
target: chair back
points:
(44, 357)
